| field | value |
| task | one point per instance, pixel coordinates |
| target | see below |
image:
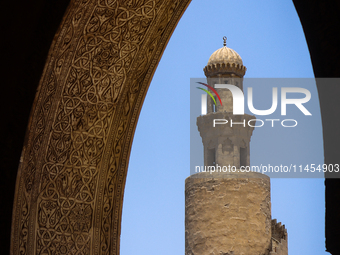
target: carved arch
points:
(72, 172)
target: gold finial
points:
(224, 41)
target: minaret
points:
(226, 144)
(228, 212)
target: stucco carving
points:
(71, 178)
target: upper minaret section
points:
(225, 62)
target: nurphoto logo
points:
(238, 104)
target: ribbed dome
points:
(225, 61)
(225, 55)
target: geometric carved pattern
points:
(71, 178)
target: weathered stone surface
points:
(279, 239)
(230, 214)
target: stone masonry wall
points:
(229, 215)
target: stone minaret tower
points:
(229, 212)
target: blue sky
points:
(269, 38)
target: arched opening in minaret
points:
(211, 157)
(243, 157)
(272, 44)
(214, 105)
